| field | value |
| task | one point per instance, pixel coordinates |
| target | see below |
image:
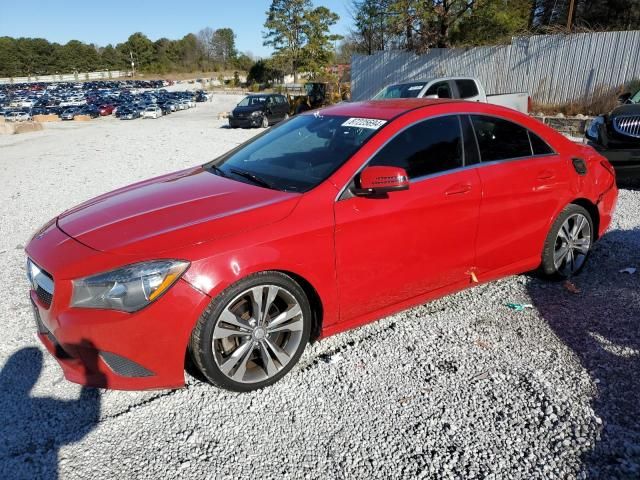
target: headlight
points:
(257, 113)
(129, 288)
(594, 128)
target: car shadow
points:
(601, 324)
(34, 428)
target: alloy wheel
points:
(572, 244)
(265, 122)
(257, 334)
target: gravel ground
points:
(461, 387)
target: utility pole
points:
(133, 65)
(572, 4)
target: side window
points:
(471, 155)
(467, 88)
(500, 139)
(279, 100)
(441, 89)
(540, 147)
(428, 147)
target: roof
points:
(382, 109)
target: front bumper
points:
(245, 122)
(111, 349)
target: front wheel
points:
(265, 122)
(253, 333)
(568, 243)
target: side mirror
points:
(624, 98)
(376, 181)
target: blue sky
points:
(103, 22)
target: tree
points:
(224, 46)
(490, 23)
(139, 49)
(300, 36)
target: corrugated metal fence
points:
(552, 68)
(68, 77)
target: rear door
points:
(523, 184)
(409, 242)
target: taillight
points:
(608, 167)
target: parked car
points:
(17, 116)
(616, 135)
(259, 111)
(464, 88)
(128, 113)
(336, 218)
(106, 110)
(70, 113)
(152, 112)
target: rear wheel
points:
(253, 333)
(568, 243)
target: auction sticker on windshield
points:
(371, 123)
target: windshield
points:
(299, 154)
(402, 90)
(635, 98)
(251, 101)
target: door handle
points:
(546, 175)
(458, 189)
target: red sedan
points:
(331, 220)
(106, 110)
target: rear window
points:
(500, 139)
(539, 146)
(467, 88)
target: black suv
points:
(260, 111)
(617, 137)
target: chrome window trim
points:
(341, 192)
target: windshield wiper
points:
(254, 178)
(218, 170)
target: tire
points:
(568, 243)
(265, 122)
(238, 352)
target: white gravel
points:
(462, 387)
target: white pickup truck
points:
(464, 88)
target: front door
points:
(410, 242)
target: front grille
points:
(42, 282)
(45, 297)
(627, 125)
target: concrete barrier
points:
(82, 118)
(46, 118)
(7, 128)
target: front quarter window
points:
(299, 154)
(635, 98)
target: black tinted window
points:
(467, 88)
(500, 139)
(539, 146)
(429, 147)
(441, 89)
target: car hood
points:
(629, 109)
(173, 211)
(247, 110)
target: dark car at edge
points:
(259, 111)
(616, 135)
